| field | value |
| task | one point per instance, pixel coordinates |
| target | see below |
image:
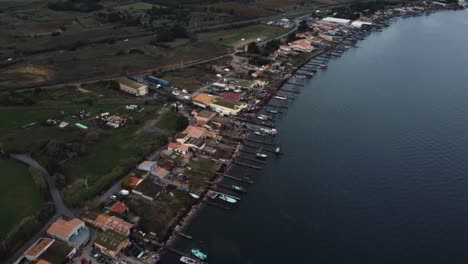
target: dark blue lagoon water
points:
(376, 160)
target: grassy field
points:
(238, 10)
(19, 197)
(232, 37)
(200, 171)
(171, 121)
(135, 6)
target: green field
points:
(19, 197)
(233, 37)
(135, 6)
(172, 121)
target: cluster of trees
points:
(166, 34)
(123, 18)
(75, 5)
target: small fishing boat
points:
(227, 198)
(281, 97)
(200, 255)
(269, 131)
(323, 66)
(272, 111)
(262, 117)
(259, 133)
(261, 155)
(188, 260)
(237, 188)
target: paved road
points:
(60, 207)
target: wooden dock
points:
(230, 187)
(217, 205)
(253, 160)
(298, 84)
(261, 142)
(184, 235)
(289, 91)
(178, 252)
(278, 106)
(257, 147)
(245, 179)
(247, 165)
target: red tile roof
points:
(134, 181)
(119, 208)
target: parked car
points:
(84, 261)
(176, 93)
(95, 254)
(124, 192)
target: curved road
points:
(60, 207)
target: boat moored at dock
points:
(200, 255)
(227, 198)
(188, 260)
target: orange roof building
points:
(301, 45)
(73, 232)
(117, 207)
(107, 222)
(203, 100)
(37, 249)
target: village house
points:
(301, 45)
(227, 107)
(160, 172)
(117, 207)
(147, 165)
(50, 250)
(203, 100)
(148, 189)
(107, 222)
(73, 232)
(203, 116)
(195, 137)
(111, 243)
(132, 87)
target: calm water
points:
(376, 160)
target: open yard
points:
(233, 37)
(19, 197)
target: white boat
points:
(188, 260)
(262, 117)
(261, 155)
(196, 196)
(227, 198)
(281, 97)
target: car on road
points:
(95, 254)
(9, 59)
(124, 192)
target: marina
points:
(250, 141)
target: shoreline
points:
(195, 210)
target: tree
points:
(303, 26)
(291, 37)
(273, 44)
(253, 48)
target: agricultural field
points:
(106, 60)
(233, 37)
(89, 161)
(140, 6)
(193, 78)
(237, 10)
(17, 184)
